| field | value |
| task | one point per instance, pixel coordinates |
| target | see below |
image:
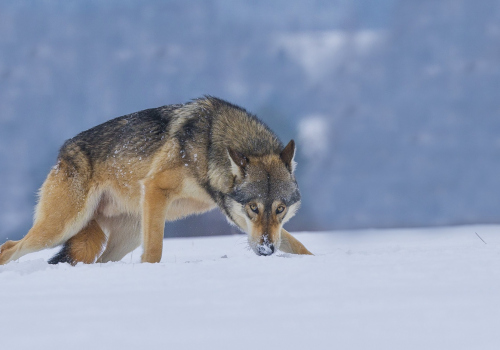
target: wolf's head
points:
(265, 195)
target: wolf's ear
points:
(287, 156)
(238, 162)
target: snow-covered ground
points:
(376, 289)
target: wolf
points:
(114, 186)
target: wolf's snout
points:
(265, 249)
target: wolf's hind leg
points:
(84, 247)
(290, 244)
(64, 208)
(40, 237)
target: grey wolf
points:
(115, 185)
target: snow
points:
(373, 289)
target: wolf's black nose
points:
(267, 249)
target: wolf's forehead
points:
(270, 189)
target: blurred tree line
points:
(394, 104)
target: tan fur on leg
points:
(158, 193)
(64, 208)
(290, 244)
(86, 245)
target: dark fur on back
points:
(235, 127)
(134, 135)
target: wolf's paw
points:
(6, 251)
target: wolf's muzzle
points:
(265, 249)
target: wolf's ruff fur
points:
(115, 185)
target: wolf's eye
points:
(280, 209)
(254, 208)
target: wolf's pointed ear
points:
(287, 156)
(238, 162)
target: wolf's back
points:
(202, 130)
(139, 134)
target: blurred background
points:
(395, 105)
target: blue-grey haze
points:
(395, 105)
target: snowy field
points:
(376, 289)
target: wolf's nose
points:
(266, 249)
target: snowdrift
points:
(375, 289)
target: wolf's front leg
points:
(290, 244)
(155, 200)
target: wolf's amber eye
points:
(254, 208)
(280, 209)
